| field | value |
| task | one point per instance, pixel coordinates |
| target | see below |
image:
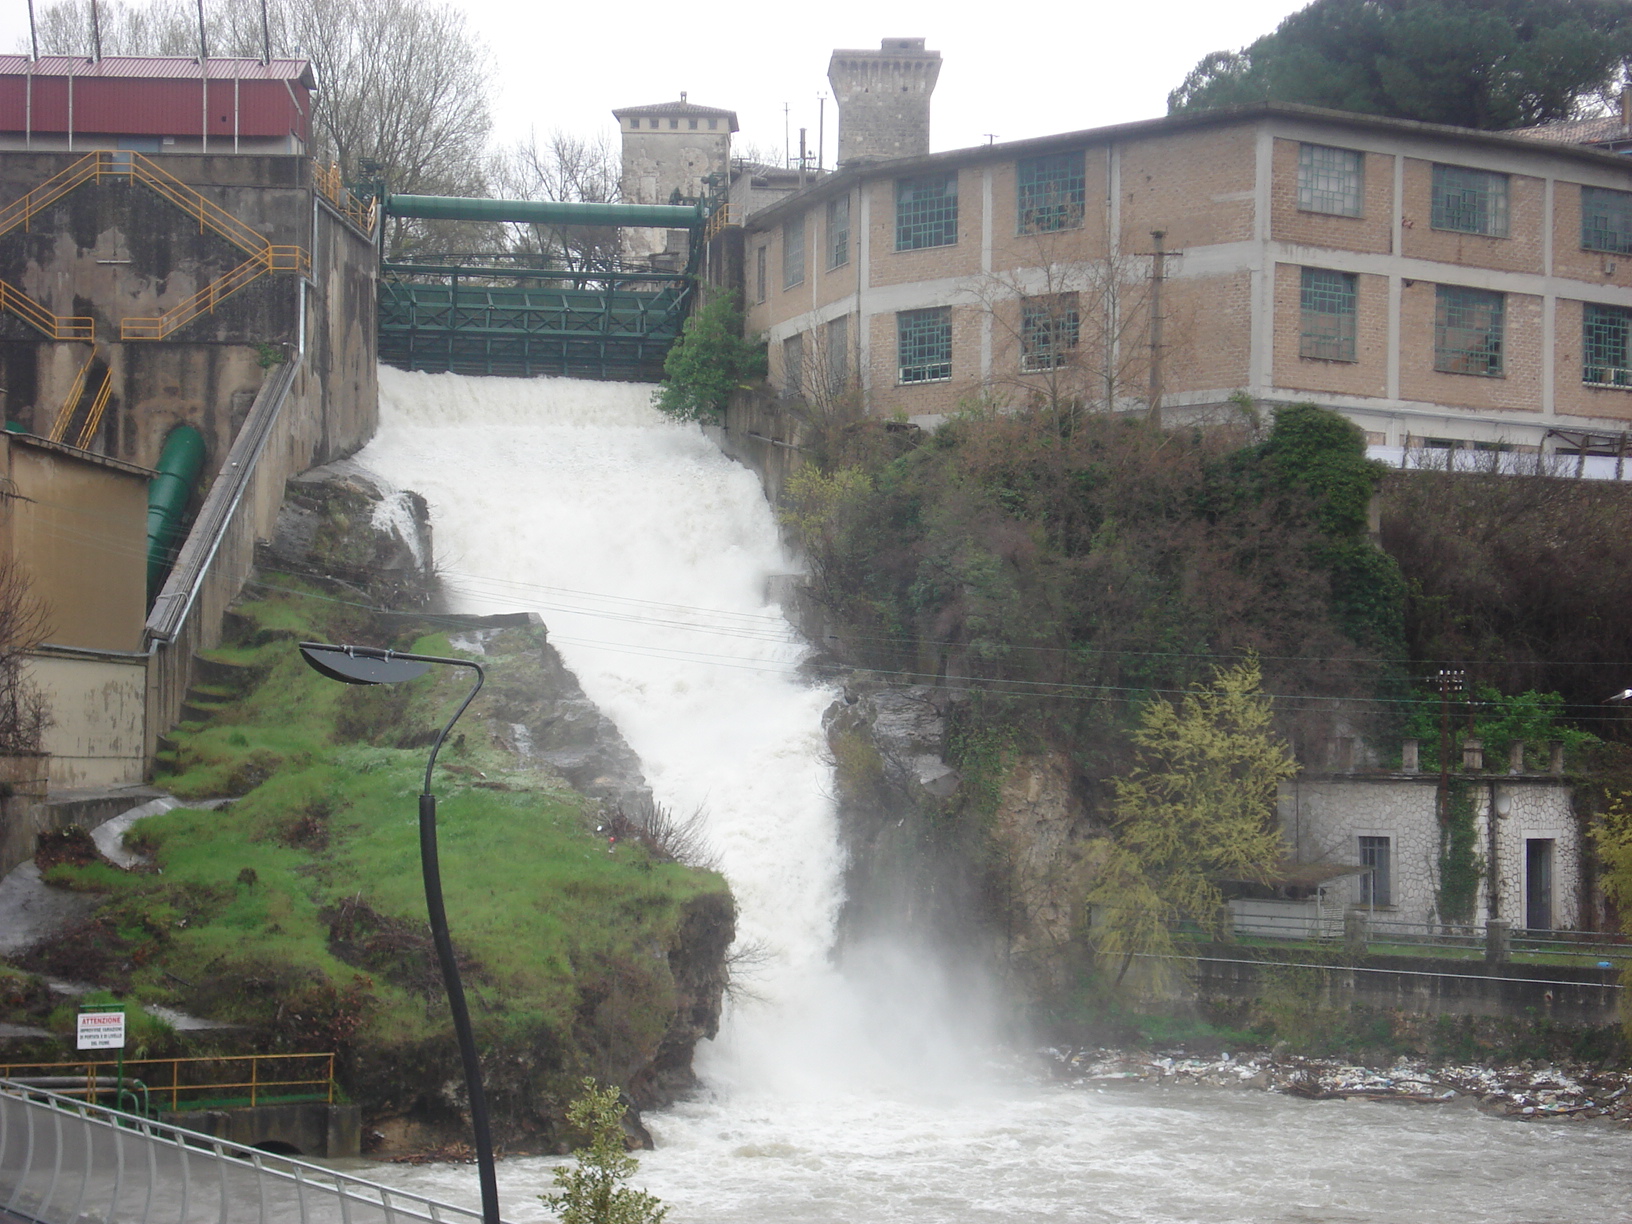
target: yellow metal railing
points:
(272, 259)
(87, 432)
(76, 390)
(334, 189)
(264, 257)
(21, 211)
(718, 220)
(72, 327)
(198, 1081)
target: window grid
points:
(926, 212)
(1376, 886)
(838, 232)
(924, 344)
(1606, 220)
(1470, 201)
(838, 354)
(793, 252)
(1330, 180)
(1605, 331)
(793, 366)
(1468, 331)
(1049, 329)
(1329, 314)
(1052, 192)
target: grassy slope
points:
(241, 922)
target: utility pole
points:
(1158, 273)
(821, 130)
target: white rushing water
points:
(830, 1100)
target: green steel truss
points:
(498, 318)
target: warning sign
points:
(101, 1030)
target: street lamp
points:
(372, 665)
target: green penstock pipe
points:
(167, 496)
(544, 212)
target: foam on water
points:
(854, 1099)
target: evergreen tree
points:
(590, 1192)
(1489, 64)
(709, 362)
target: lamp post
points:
(372, 665)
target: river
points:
(875, 1095)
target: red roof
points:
(161, 67)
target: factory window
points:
(838, 232)
(793, 252)
(1468, 331)
(1377, 885)
(1604, 334)
(1049, 327)
(1606, 220)
(924, 344)
(1052, 191)
(793, 366)
(1328, 303)
(1470, 201)
(926, 212)
(1330, 180)
(759, 274)
(838, 354)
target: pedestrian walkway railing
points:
(64, 1161)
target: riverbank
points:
(1528, 1091)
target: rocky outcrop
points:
(339, 526)
(997, 865)
(1048, 858)
(535, 707)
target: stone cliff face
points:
(996, 871)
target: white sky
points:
(1045, 66)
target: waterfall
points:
(647, 553)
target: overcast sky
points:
(1009, 69)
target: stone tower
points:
(669, 150)
(883, 99)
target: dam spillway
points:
(853, 1097)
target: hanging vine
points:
(1460, 864)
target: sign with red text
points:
(101, 1029)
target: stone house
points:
(1372, 840)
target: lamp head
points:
(360, 664)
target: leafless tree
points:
(818, 384)
(401, 83)
(25, 713)
(567, 168)
(1071, 327)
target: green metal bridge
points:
(500, 314)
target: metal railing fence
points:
(64, 1161)
(196, 1083)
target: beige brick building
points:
(1434, 284)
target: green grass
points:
(238, 923)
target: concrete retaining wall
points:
(1432, 986)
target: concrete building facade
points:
(1439, 286)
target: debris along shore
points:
(1528, 1091)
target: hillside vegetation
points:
(297, 910)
